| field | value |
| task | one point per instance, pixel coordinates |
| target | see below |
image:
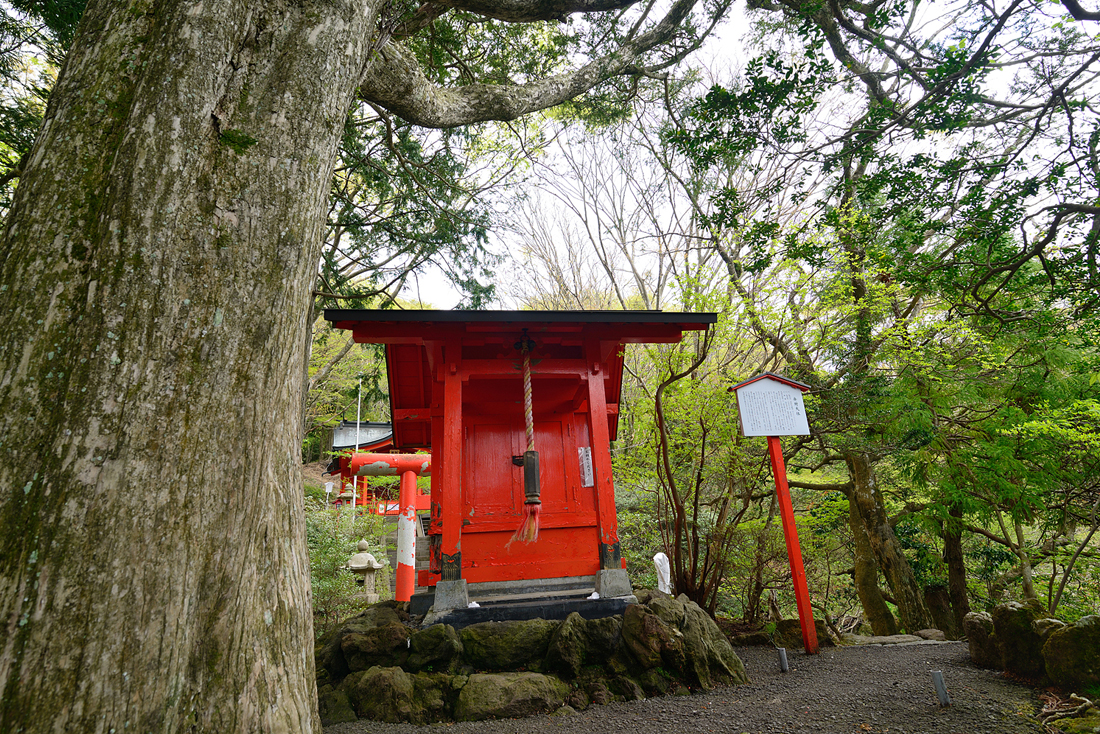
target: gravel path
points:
(848, 689)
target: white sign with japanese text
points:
(770, 408)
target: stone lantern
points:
(364, 565)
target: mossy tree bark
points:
(865, 576)
(956, 567)
(153, 286)
(912, 610)
(154, 289)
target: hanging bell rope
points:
(528, 531)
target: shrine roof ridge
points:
(770, 375)
(455, 316)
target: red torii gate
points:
(456, 387)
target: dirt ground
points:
(857, 690)
(312, 473)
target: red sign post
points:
(771, 406)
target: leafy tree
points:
(33, 38)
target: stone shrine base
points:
(377, 666)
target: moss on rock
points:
(505, 695)
(1072, 655)
(436, 648)
(507, 645)
(984, 650)
(376, 667)
(578, 642)
(335, 707)
(385, 645)
(1021, 648)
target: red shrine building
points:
(456, 382)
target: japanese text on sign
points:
(771, 409)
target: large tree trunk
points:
(865, 577)
(154, 277)
(956, 568)
(912, 610)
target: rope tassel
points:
(528, 531)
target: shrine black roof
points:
(577, 317)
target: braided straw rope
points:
(528, 410)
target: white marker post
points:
(772, 406)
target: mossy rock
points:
(655, 682)
(580, 642)
(1072, 655)
(436, 648)
(329, 655)
(625, 689)
(788, 634)
(984, 650)
(1021, 648)
(671, 611)
(393, 695)
(507, 695)
(385, 646)
(645, 596)
(597, 691)
(335, 707)
(507, 645)
(709, 657)
(649, 641)
(751, 639)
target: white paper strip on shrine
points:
(769, 408)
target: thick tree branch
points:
(1078, 12)
(828, 487)
(528, 11)
(395, 81)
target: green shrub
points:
(332, 536)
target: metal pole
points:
(794, 552)
(941, 688)
(355, 479)
(783, 666)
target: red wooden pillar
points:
(794, 552)
(606, 520)
(451, 551)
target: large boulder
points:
(579, 642)
(387, 645)
(1072, 654)
(984, 650)
(334, 706)
(393, 695)
(709, 656)
(506, 695)
(1021, 647)
(436, 648)
(507, 645)
(330, 660)
(650, 642)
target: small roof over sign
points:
(766, 375)
(770, 405)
